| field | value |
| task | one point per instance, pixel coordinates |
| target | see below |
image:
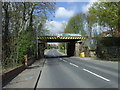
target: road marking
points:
(60, 58)
(96, 75)
(64, 60)
(74, 65)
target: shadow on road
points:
(50, 56)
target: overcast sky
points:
(64, 11)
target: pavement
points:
(28, 78)
(60, 71)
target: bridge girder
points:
(71, 40)
(60, 39)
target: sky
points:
(64, 11)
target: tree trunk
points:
(31, 18)
(6, 41)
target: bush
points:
(108, 41)
(26, 45)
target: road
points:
(60, 71)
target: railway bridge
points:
(72, 42)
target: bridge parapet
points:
(58, 34)
(61, 37)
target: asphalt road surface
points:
(60, 71)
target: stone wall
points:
(108, 48)
(109, 53)
(79, 48)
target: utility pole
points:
(37, 38)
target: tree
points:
(106, 14)
(75, 25)
(19, 28)
(6, 33)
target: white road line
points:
(60, 58)
(96, 75)
(74, 65)
(64, 60)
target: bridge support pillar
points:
(77, 49)
(41, 48)
(70, 48)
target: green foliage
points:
(62, 51)
(62, 47)
(26, 46)
(108, 41)
(105, 13)
(75, 25)
(19, 28)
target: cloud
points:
(64, 13)
(85, 8)
(56, 26)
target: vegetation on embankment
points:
(21, 23)
(62, 51)
(62, 48)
